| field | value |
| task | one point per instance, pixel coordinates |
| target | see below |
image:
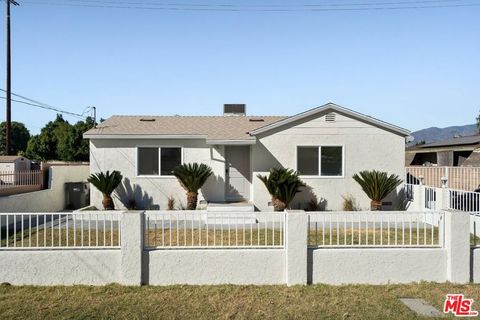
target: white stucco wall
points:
(377, 266)
(366, 147)
(60, 267)
(475, 265)
(214, 266)
(49, 200)
(121, 155)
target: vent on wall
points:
(330, 117)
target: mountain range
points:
(435, 134)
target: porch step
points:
(230, 207)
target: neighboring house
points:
(327, 145)
(456, 152)
(14, 164)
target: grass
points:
(223, 302)
(349, 236)
(234, 237)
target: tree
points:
(282, 184)
(377, 185)
(20, 137)
(192, 176)
(59, 140)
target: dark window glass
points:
(332, 161)
(307, 161)
(170, 158)
(148, 161)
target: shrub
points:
(192, 177)
(377, 185)
(106, 184)
(282, 185)
(349, 203)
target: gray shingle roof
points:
(460, 141)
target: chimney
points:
(234, 110)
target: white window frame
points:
(320, 160)
(160, 176)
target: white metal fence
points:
(202, 229)
(376, 229)
(461, 178)
(59, 230)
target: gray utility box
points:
(77, 195)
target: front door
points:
(237, 173)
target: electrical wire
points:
(379, 6)
(38, 104)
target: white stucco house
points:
(327, 145)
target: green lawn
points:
(222, 302)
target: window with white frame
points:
(323, 161)
(153, 161)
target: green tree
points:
(377, 185)
(478, 123)
(59, 140)
(20, 137)
(192, 176)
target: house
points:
(14, 164)
(456, 152)
(327, 145)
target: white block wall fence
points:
(201, 248)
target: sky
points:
(415, 68)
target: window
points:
(170, 158)
(307, 161)
(324, 161)
(158, 161)
(148, 161)
(332, 164)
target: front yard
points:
(223, 302)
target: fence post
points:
(132, 247)
(457, 244)
(421, 197)
(296, 233)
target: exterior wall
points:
(49, 200)
(475, 265)
(71, 267)
(365, 147)
(153, 192)
(200, 267)
(377, 266)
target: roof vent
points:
(234, 109)
(147, 119)
(256, 120)
(330, 117)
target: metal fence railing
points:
(59, 230)
(202, 229)
(376, 229)
(9, 179)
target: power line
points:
(42, 105)
(235, 5)
(231, 8)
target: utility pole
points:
(8, 142)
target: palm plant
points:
(282, 184)
(106, 183)
(192, 176)
(377, 185)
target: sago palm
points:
(377, 185)
(192, 176)
(106, 183)
(282, 184)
